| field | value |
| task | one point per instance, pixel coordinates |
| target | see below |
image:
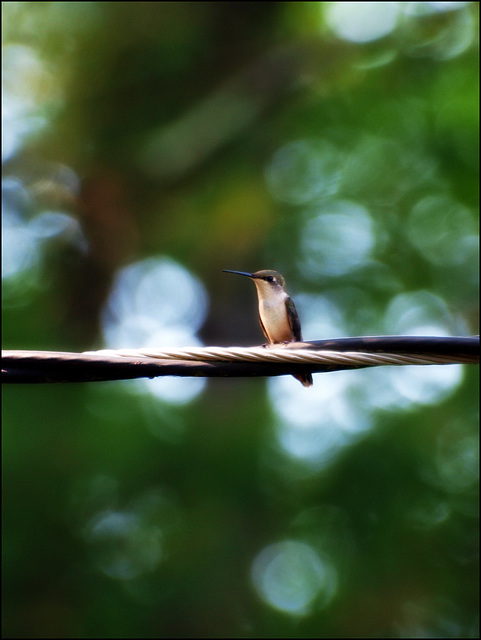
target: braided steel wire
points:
(315, 356)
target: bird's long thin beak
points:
(240, 273)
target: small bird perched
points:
(277, 312)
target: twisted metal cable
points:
(316, 356)
(281, 354)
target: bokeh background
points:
(146, 147)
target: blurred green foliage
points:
(338, 148)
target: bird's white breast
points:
(273, 313)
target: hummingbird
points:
(277, 313)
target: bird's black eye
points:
(270, 279)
